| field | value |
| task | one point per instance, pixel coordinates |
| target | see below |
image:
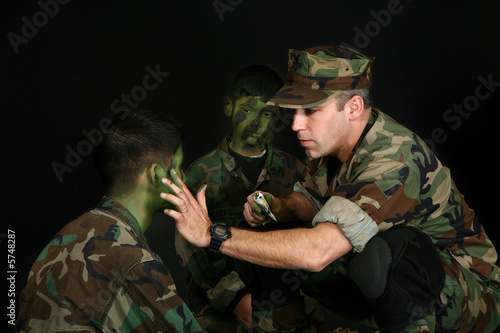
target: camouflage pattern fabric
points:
(393, 179)
(216, 282)
(99, 275)
(302, 316)
(318, 74)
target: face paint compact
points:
(261, 201)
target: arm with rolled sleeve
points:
(382, 193)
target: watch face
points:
(220, 230)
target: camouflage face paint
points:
(176, 162)
(175, 165)
(253, 122)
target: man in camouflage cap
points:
(98, 273)
(319, 74)
(398, 227)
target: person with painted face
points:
(98, 274)
(221, 289)
(387, 212)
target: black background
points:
(63, 80)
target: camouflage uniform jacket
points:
(99, 275)
(392, 178)
(212, 278)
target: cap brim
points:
(301, 97)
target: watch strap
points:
(215, 244)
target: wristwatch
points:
(219, 232)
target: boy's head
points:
(255, 81)
(252, 120)
(142, 141)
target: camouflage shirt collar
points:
(116, 209)
(371, 121)
(378, 119)
(273, 164)
(369, 135)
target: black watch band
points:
(215, 245)
(219, 232)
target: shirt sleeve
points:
(298, 187)
(355, 223)
(379, 195)
(147, 301)
(196, 177)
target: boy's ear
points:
(228, 106)
(156, 173)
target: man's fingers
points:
(174, 200)
(173, 214)
(253, 225)
(252, 218)
(248, 211)
(173, 188)
(177, 186)
(191, 217)
(201, 197)
(177, 179)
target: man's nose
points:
(298, 120)
(256, 121)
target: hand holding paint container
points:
(261, 201)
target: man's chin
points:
(311, 153)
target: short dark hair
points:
(132, 143)
(346, 95)
(256, 80)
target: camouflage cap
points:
(318, 74)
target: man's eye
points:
(246, 110)
(268, 114)
(310, 110)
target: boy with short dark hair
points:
(98, 272)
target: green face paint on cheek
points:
(176, 161)
(239, 122)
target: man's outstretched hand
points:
(191, 216)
